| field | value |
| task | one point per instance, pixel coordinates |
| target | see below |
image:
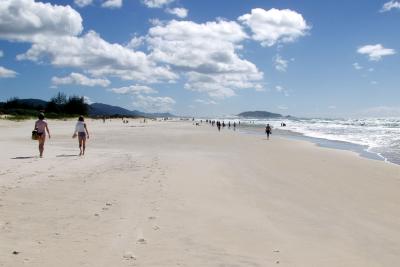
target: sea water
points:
(376, 135)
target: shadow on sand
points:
(30, 157)
(66, 156)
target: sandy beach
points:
(173, 194)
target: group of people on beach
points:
(222, 124)
(41, 127)
(268, 128)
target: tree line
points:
(60, 105)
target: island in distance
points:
(261, 114)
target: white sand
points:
(172, 194)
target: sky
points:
(206, 58)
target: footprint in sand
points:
(140, 237)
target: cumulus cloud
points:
(112, 3)
(154, 104)
(178, 11)
(83, 3)
(280, 63)
(275, 26)
(357, 66)
(135, 42)
(206, 102)
(79, 79)
(7, 73)
(157, 3)
(390, 5)
(98, 57)
(375, 52)
(30, 21)
(134, 89)
(217, 70)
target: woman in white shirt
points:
(82, 132)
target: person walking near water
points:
(82, 132)
(268, 130)
(41, 127)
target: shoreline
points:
(362, 151)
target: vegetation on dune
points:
(59, 106)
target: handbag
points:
(35, 135)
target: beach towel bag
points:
(35, 135)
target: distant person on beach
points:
(234, 126)
(41, 127)
(219, 125)
(82, 132)
(268, 130)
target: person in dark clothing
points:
(268, 130)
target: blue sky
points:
(304, 58)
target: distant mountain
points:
(259, 114)
(99, 109)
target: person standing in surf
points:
(268, 130)
(41, 127)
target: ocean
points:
(378, 136)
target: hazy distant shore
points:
(174, 194)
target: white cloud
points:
(280, 63)
(134, 89)
(206, 55)
(7, 73)
(179, 12)
(374, 82)
(97, 57)
(27, 20)
(281, 89)
(206, 102)
(135, 42)
(87, 100)
(332, 107)
(157, 3)
(79, 79)
(275, 26)
(112, 3)
(357, 66)
(83, 3)
(375, 52)
(154, 104)
(390, 5)
(1, 53)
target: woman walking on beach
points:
(41, 127)
(82, 131)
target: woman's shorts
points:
(82, 134)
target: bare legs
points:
(82, 145)
(41, 145)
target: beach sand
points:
(173, 194)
